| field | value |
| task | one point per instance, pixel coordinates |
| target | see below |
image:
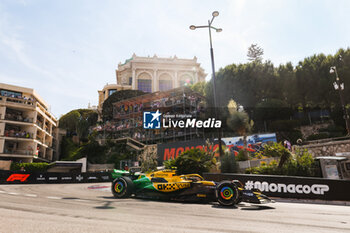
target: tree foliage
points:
(30, 167)
(192, 161)
(255, 53)
(78, 122)
(199, 88)
(95, 153)
(269, 93)
(228, 163)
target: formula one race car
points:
(166, 185)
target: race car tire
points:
(227, 193)
(122, 187)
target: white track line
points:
(2, 191)
(82, 200)
(56, 198)
(30, 195)
(13, 193)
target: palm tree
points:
(238, 121)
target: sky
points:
(68, 49)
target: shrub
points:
(333, 131)
(170, 164)
(241, 156)
(275, 150)
(192, 161)
(68, 147)
(292, 135)
(149, 164)
(317, 136)
(301, 164)
(30, 167)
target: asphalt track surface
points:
(78, 208)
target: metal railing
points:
(18, 118)
(17, 134)
(18, 152)
(15, 100)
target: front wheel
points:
(227, 193)
(122, 187)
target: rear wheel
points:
(122, 187)
(227, 193)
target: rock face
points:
(150, 151)
(309, 130)
(327, 148)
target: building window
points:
(130, 80)
(144, 85)
(111, 91)
(165, 85)
(10, 93)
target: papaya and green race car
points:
(167, 185)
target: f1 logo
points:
(20, 177)
(151, 120)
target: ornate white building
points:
(152, 74)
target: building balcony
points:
(17, 134)
(16, 118)
(18, 152)
(17, 123)
(2, 155)
(17, 101)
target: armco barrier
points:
(290, 186)
(7, 177)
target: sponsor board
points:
(41, 177)
(290, 187)
(318, 189)
(255, 142)
(172, 150)
(105, 178)
(18, 177)
(66, 178)
(53, 178)
(7, 177)
(79, 178)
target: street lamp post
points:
(209, 26)
(338, 85)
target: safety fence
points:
(7, 177)
(290, 187)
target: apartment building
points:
(28, 131)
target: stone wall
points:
(5, 165)
(327, 148)
(308, 130)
